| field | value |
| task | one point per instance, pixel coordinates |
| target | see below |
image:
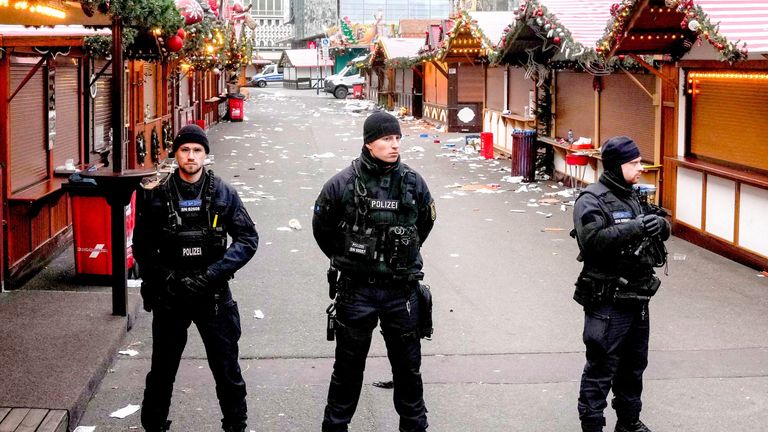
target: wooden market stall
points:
(715, 101)
(46, 125)
(454, 71)
(303, 68)
(398, 84)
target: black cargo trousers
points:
(219, 327)
(358, 308)
(616, 339)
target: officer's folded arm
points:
(595, 236)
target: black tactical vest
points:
(379, 223)
(194, 236)
(633, 266)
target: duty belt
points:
(381, 279)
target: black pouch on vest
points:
(425, 311)
(402, 247)
(652, 287)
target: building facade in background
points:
(272, 34)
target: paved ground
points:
(507, 351)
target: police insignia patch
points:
(432, 210)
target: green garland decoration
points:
(346, 30)
(101, 46)
(695, 20)
(462, 21)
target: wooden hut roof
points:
(302, 58)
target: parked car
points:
(271, 73)
(340, 84)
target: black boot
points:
(634, 426)
(235, 428)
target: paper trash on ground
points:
(125, 412)
(294, 223)
(85, 429)
(258, 314)
(129, 352)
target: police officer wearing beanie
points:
(371, 220)
(180, 243)
(620, 239)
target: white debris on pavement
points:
(129, 352)
(294, 223)
(85, 429)
(326, 155)
(258, 314)
(125, 411)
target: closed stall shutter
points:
(102, 109)
(494, 98)
(27, 111)
(471, 82)
(408, 81)
(728, 114)
(636, 119)
(575, 104)
(67, 145)
(520, 89)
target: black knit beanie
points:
(380, 124)
(191, 133)
(619, 150)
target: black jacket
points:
(152, 218)
(609, 232)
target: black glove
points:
(148, 295)
(194, 286)
(652, 225)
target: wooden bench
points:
(33, 420)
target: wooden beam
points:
(440, 69)
(653, 70)
(639, 84)
(29, 76)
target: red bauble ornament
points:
(556, 39)
(238, 7)
(182, 33)
(190, 10)
(621, 57)
(174, 43)
(214, 5)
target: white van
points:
(340, 84)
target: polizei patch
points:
(381, 204)
(190, 205)
(358, 248)
(191, 251)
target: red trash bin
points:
(486, 144)
(357, 91)
(200, 123)
(236, 107)
(91, 226)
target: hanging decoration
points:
(155, 146)
(238, 52)
(214, 5)
(167, 136)
(141, 148)
(190, 10)
(346, 30)
(695, 20)
(174, 43)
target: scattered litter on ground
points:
(125, 411)
(763, 274)
(549, 201)
(129, 352)
(481, 187)
(134, 283)
(284, 229)
(85, 429)
(551, 229)
(454, 255)
(517, 211)
(294, 250)
(546, 215)
(512, 179)
(562, 207)
(258, 314)
(294, 223)
(679, 257)
(415, 149)
(326, 155)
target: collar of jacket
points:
(375, 166)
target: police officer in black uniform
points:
(371, 220)
(180, 244)
(621, 241)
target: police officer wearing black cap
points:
(371, 220)
(621, 241)
(180, 244)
